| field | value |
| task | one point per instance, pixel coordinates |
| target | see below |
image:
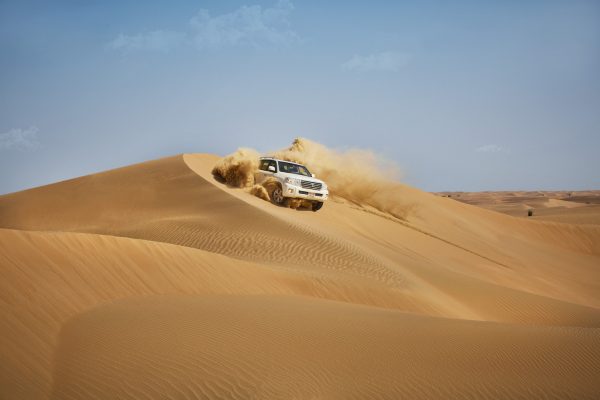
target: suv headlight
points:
(293, 181)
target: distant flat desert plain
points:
(158, 281)
(577, 207)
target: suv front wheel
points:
(277, 196)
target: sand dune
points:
(290, 347)
(157, 281)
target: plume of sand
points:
(237, 169)
(359, 176)
(261, 192)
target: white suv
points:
(291, 180)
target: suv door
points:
(263, 170)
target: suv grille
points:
(311, 185)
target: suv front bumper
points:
(302, 193)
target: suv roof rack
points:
(279, 159)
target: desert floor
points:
(155, 281)
(574, 207)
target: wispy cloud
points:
(387, 61)
(489, 148)
(155, 40)
(247, 26)
(20, 139)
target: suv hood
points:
(304, 178)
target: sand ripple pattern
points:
(154, 281)
(265, 347)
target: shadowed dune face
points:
(159, 273)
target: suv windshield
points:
(293, 168)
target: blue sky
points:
(463, 95)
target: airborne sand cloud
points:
(359, 176)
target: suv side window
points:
(272, 163)
(264, 165)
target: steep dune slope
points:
(115, 274)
